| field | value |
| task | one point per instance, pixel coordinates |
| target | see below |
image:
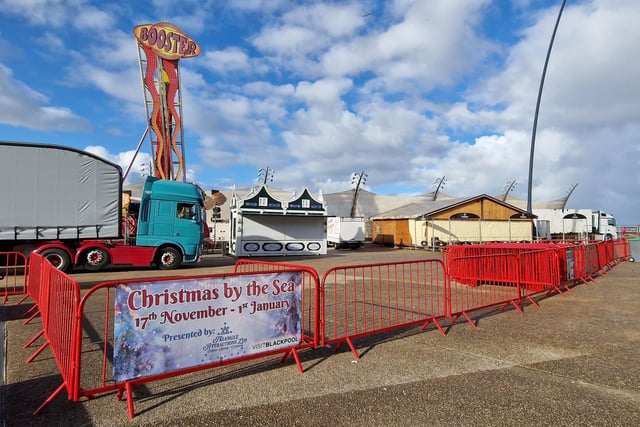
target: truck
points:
(67, 205)
(345, 232)
(583, 224)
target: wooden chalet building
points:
(456, 220)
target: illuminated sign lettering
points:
(167, 40)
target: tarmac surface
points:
(573, 361)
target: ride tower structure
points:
(160, 48)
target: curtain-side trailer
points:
(67, 205)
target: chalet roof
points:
(262, 200)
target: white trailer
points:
(345, 232)
(584, 224)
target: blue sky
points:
(408, 91)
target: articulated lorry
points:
(584, 224)
(67, 205)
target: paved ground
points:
(573, 361)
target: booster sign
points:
(167, 40)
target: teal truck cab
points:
(169, 231)
(171, 218)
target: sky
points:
(407, 91)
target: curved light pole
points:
(535, 116)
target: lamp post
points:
(439, 184)
(535, 116)
(508, 187)
(357, 179)
(265, 175)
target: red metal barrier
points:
(58, 299)
(594, 258)
(502, 279)
(621, 249)
(481, 281)
(591, 261)
(100, 340)
(584, 265)
(367, 299)
(607, 256)
(13, 274)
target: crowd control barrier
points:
(607, 257)
(621, 250)
(57, 300)
(125, 333)
(137, 331)
(482, 281)
(587, 262)
(13, 274)
(596, 258)
(359, 300)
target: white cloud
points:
(289, 41)
(80, 14)
(432, 44)
(227, 61)
(40, 12)
(299, 36)
(24, 107)
(91, 18)
(326, 93)
(335, 20)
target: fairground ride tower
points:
(160, 47)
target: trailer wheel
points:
(57, 257)
(95, 259)
(169, 258)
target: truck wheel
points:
(169, 258)
(57, 257)
(95, 259)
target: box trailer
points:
(344, 232)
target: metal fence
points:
(349, 302)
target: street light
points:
(508, 187)
(265, 175)
(357, 179)
(438, 183)
(535, 116)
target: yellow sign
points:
(167, 40)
